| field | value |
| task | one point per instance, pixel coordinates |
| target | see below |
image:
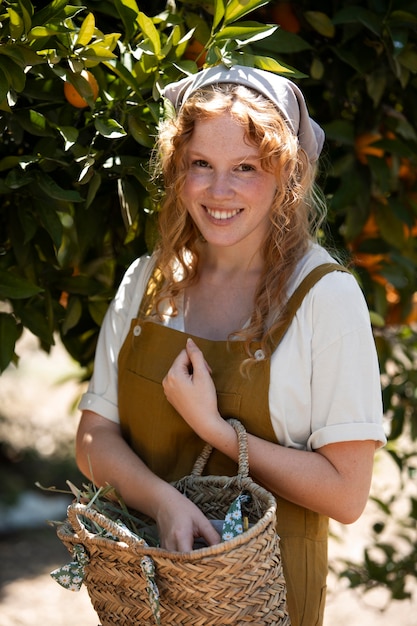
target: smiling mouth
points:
(222, 215)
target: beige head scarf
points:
(287, 97)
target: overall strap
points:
(299, 294)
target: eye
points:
(200, 163)
(246, 167)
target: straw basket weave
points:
(237, 582)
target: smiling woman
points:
(239, 313)
(226, 186)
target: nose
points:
(221, 185)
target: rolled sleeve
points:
(101, 395)
(325, 379)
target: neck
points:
(228, 263)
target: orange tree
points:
(360, 62)
(80, 87)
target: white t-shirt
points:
(324, 376)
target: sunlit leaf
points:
(111, 129)
(149, 32)
(271, 65)
(16, 24)
(86, 31)
(236, 9)
(218, 13)
(245, 31)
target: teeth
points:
(222, 215)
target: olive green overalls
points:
(169, 447)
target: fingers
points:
(196, 356)
(184, 541)
(210, 535)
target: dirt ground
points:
(30, 597)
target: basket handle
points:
(77, 511)
(243, 460)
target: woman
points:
(204, 330)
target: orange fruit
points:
(363, 146)
(283, 14)
(195, 52)
(74, 97)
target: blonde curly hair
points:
(295, 217)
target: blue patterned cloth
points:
(235, 523)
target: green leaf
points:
(391, 228)
(149, 32)
(408, 59)
(72, 315)
(405, 18)
(376, 319)
(218, 13)
(4, 85)
(54, 9)
(86, 30)
(40, 32)
(9, 334)
(236, 9)
(16, 24)
(34, 318)
(125, 75)
(93, 186)
(13, 287)
(53, 190)
(27, 12)
(140, 131)
(8, 163)
(97, 310)
(69, 134)
(51, 223)
(128, 199)
(355, 14)
(34, 123)
(14, 75)
(128, 11)
(16, 180)
(28, 223)
(272, 65)
(282, 42)
(321, 23)
(82, 285)
(109, 128)
(245, 31)
(96, 52)
(376, 83)
(340, 131)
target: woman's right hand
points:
(105, 457)
(180, 522)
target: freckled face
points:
(226, 192)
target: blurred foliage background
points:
(80, 87)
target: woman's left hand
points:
(189, 387)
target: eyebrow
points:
(195, 153)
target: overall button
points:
(137, 330)
(259, 355)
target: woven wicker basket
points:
(237, 582)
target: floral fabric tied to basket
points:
(237, 581)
